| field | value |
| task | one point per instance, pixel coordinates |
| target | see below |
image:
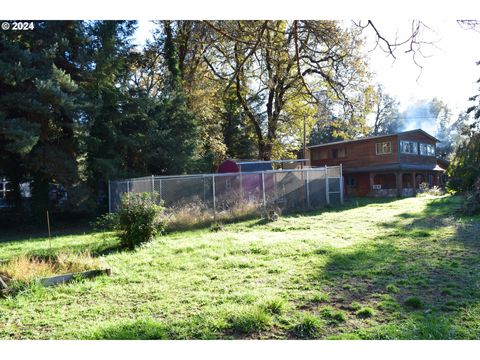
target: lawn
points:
(373, 269)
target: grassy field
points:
(374, 269)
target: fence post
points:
(214, 200)
(327, 190)
(204, 191)
(109, 198)
(341, 184)
(160, 189)
(308, 189)
(263, 188)
(128, 191)
(242, 193)
(153, 187)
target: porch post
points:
(414, 183)
(372, 175)
(399, 178)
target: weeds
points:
(25, 268)
(333, 316)
(365, 312)
(308, 326)
(249, 320)
(413, 302)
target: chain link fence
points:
(217, 194)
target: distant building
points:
(386, 165)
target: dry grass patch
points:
(196, 214)
(25, 268)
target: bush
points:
(471, 203)
(106, 222)
(454, 185)
(139, 219)
(424, 188)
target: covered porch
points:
(401, 181)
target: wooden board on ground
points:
(62, 279)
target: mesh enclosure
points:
(215, 195)
(317, 188)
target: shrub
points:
(139, 218)
(424, 189)
(471, 203)
(308, 327)
(106, 222)
(454, 185)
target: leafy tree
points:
(387, 115)
(272, 64)
(464, 164)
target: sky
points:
(449, 66)
(449, 71)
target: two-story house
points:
(386, 165)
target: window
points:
(351, 181)
(409, 147)
(383, 148)
(427, 149)
(339, 153)
(320, 154)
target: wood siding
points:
(362, 153)
(359, 153)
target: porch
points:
(401, 183)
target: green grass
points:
(414, 302)
(303, 276)
(365, 312)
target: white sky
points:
(449, 66)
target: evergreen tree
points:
(39, 102)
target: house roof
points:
(376, 137)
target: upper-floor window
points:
(409, 147)
(339, 153)
(427, 149)
(383, 148)
(320, 155)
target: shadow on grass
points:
(35, 233)
(418, 274)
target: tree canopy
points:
(81, 103)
